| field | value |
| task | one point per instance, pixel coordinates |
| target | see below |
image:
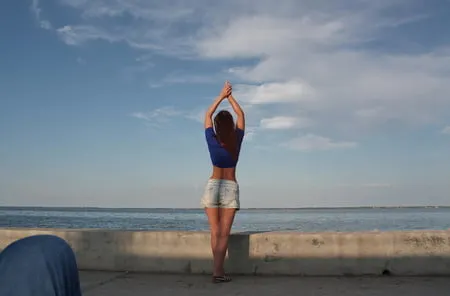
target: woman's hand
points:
(225, 93)
(226, 90)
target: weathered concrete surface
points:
(184, 285)
(270, 253)
(94, 279)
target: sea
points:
(301, 220)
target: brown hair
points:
(226, 132)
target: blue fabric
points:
(40, 265)
(220, 157)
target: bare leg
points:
(226, 217)
(214, 225)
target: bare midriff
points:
(224, 173)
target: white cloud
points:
(81, 61)
(152, 26)
(369, 112)
(150, 10)
(45, 25)
(141, 115)
(79, 34)
(197, 114)
(406, 87)
(269, 93)
(167, 113)
(296, 56)
(374, 185)
(446, 130)
(377, 185)
(311, 142)
(36, 10)
(247, 36)
(158, 115)
(250, 133)
(191, 78)
(284, 122)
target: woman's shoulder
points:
(240, 132)
(209, 132)
(210, 136)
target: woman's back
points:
(223, 161)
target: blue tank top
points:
(220, 157)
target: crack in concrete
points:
(94, 286)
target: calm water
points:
(338, 219)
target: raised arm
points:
(239, 112)
(226, 91)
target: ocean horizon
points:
(341, 219)
(197, 208)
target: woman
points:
(221, 197)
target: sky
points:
(346, 101)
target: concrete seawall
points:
(266, 253)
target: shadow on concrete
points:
(239, 261)
(111, 250)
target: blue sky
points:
(102, 101)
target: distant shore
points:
(69, 208)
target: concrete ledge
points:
(267, 253)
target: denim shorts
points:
(221, 194)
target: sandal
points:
(221, 279)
